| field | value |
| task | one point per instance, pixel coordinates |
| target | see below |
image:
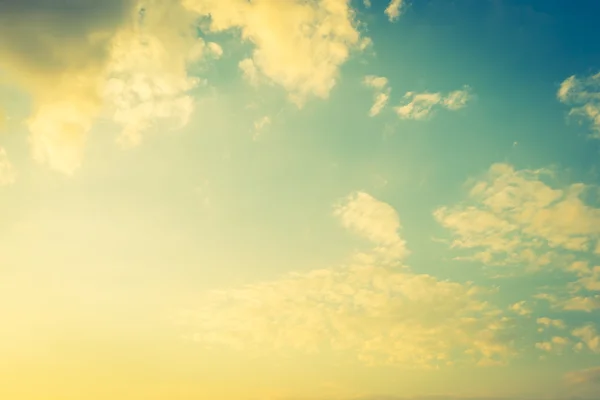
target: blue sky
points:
(321, 199)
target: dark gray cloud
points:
(40, 38)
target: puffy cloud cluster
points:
(583, 96)
(515, 218)
(299, 45)
(81, 60)
(381, 313)
(421, 106)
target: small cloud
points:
(421, 106)
(382, 92)
(548, 322)
(520, 309)
(589, 337)
(375, 220)
(583, 96)
(394, 9)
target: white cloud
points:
(382, 314)
(8, 174)
(421, 106)
(394, 9)
(583, 96)
(514, 217)
(555, 345)
(588, 336)
(382, 92)
(520, 308)
(147, 77)
(548, 322)
(298, 45)
(373, 219)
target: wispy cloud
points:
(421, 106)
(382, 92)
(583, 96)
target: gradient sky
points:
(299, 199)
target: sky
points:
(299, 199)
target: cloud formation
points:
(394, 9)
(383, 315)
(513, 217)
(583, 96)
(382, 91)
(298, 45)
(421, 106)
(131, 59)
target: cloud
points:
(514, 217)
(147, 78)
(583, 96)
(548, 322)
(380, 314)
(421, 106)
(130, 60)
(556, 345)
(58, 54)
(8, 174)
(520, 308)
(126, 58)
(298, 45)
(394, 9)
(373, 219)
(381, 92)
(589, 337)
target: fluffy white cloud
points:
(381, 92)
(131, 58)
(297, 44)
(589, 337)
(8, 174)
(383, 314)
(420, 106)
(514, 217)
(583, 96)
(375, 220)
(394, 9)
